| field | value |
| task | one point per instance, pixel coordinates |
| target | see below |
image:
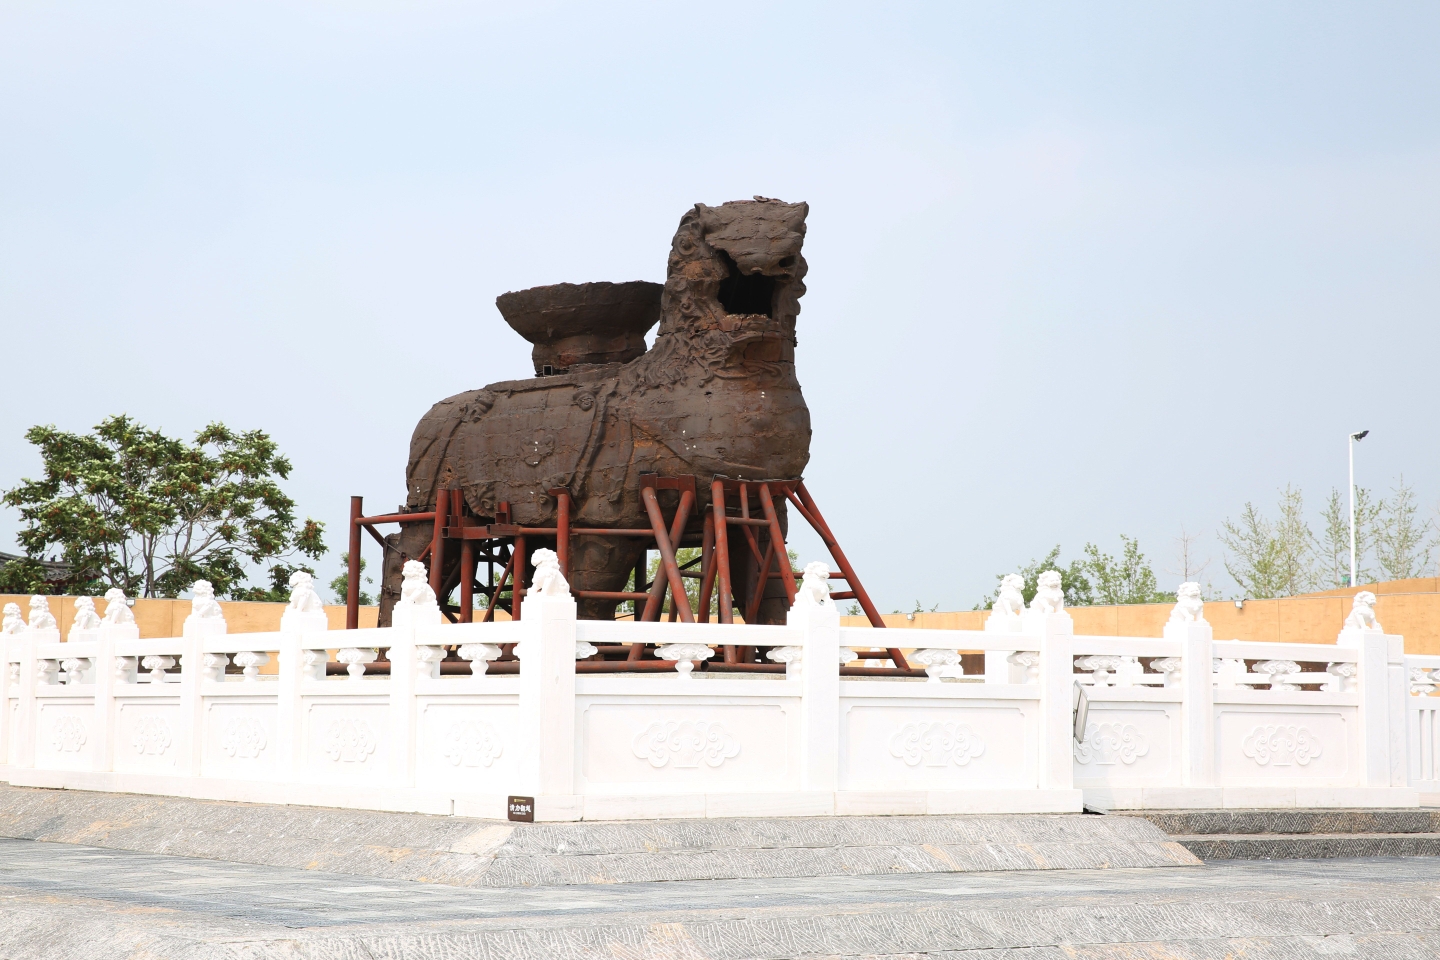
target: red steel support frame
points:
(450, 521)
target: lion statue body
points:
(203, 606)
(40, 616)
(117, 610)
(815, 584)
(303, 598)
(548, 580)
(1010, 601)
(1362, 614)
(1189, 608)
(1049, 595)
(85, 616)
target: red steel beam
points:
(562, 530)
(437, 550)
(398, 518)
(722, 551)
(817, 520)
(667, 553)
(467, 581)
(499, 585)
(352, 592)
(782, 556)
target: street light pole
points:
(1354, 439)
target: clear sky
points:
(1076, 270)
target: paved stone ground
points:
(1301, 834)
(486, 853)
(87, 903)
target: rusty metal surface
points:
(716, 395)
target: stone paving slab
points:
(1253, 846)
(86, 903)
(1326, 821)
(484, 853)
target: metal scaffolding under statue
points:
(742, 516)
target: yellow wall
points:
(1410, 608)
(164, 618)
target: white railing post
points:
(1381, 687)
(7, 719)
(296, 624)
(1057, 679)
(418, 611)
(1397, 712)
(26, 729)
(189, 737)
(402, 706)
(102, 756)
(205, 620)
(819, 693)
(547, 705)
(1197, 701)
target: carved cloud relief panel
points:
(685, 744)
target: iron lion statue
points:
(715, 396)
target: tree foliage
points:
(1403, 542)
(1074, 581)
(1271, 557)
(1332, 566)
(340, 586)
(1127, 580)
(129, 507)
(1097, 579)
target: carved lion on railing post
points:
(1362, 614)
(1189, 608)
(1049, 596)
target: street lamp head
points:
(1360, 436)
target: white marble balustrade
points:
(1180, 720)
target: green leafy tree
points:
(1332, 568)
(1403, 542)
(1127, 580)
(1271, 557)
(24, 575)
(1074, 581)
(340, 586)
(129, 507)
